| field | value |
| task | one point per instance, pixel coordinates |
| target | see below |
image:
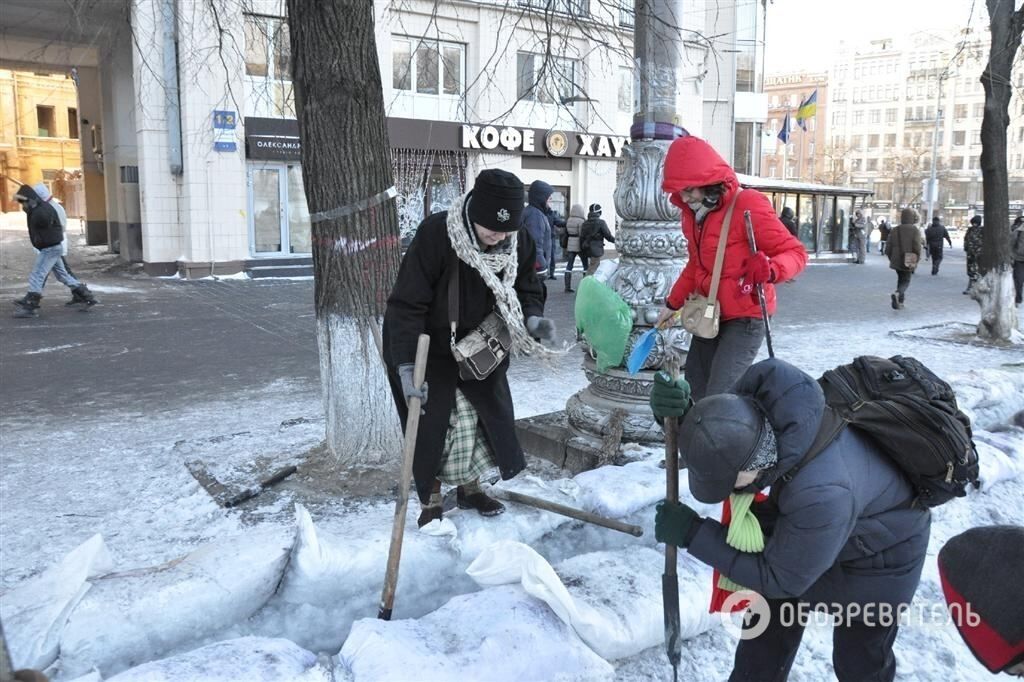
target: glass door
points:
(266, 210)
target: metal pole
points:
(932, 194)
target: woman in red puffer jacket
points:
(703, 185)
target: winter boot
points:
(470, 496)
(568, 282)
(29, 305)
(895, 301)
(81, 295)
(432, 511)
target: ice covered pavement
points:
(525, 596)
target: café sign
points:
(529, 141)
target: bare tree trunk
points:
(346, 164)
(995, 293)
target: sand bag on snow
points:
(35, 612)
(1000, 455)
(611, 599)
(499, 634)
(246, 659)
(133, 617)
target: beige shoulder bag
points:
(699, 315)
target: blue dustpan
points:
(642, 349)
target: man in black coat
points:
(46, 234)
(467, 425)
(933, 236)
(840, 530)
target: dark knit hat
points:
(976, 220)
(720, 437)
(980, 574)
(908, 216)
(496, 201)
(595, 208)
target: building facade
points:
(198, 146)
(39, 136)
(803, 158)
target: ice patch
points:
(51, 349)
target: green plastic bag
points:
(605, 319)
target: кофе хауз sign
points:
(525, 140)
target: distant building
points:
(803, 158)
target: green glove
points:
(675, 523)
(668, 398)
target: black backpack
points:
(910, 414)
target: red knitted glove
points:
(757, 269)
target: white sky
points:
(803, 35)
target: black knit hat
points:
(720, 437)
(595, 208)
(496, 201)
(976, 220)
(980, 574)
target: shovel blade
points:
(670, 602)
(641, 350)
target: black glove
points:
(540, 328)
(675, 523)
(409, 389)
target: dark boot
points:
(895, 302)
(470, 496)
(28, 306)
(432, 511)
(568, 282)
(81, 295)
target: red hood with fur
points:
(692, 162)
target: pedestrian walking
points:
(883, 235)
(538, 221)
(571, 243)
(1017, 251)
(933, 236)
(557, 227)
(980, 574)
(788, 218)
(904, 251)
(593, 234)
(837, 530)
(476, 254)
(704, 186)
(46, 235)
(973, 240)
(858, 229)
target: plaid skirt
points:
(467, 453)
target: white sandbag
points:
(500, 634)
(246, 659)
(618, 491)
(1000, 456)
(613, 600)
(133, 617)
(989, 396)
(34, 613)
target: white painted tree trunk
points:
(362, 424)
(994, 292)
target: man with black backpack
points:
(845, 523)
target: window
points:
(855, 164)
(975, 162)
(872, 164)
(960, 112)
(883, 191)
(875, 116)
(838, 118)
(888, 164)
(427, 67)
(873, 141)
(626, 90)
(743, 156)
(890, 140)
(256, 46)
(746, 40)
(890, 115)
(979, 110)
(858, 117)
(45, 122)
(959, 138)
(956, 162)
(627, 15)
(856, 141)
(774, 102)
(576, 8)
(73, 123)
(549, 81)
(268, 67)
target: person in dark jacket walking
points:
(980, 574)
(538, 221)
(973, 241)
(883, 235)
(593, 234)
(933, 236)
(904, 250)
(46, 235)
(788, 218)
(839, 530)
(572, 244)
(468, 426)
(858, 232)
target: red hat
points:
(980, 574)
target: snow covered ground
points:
(180, 589)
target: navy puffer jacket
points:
(537, 222)
(842, 531)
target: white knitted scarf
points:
(498, 268)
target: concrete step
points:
(266, 271)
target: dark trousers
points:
(936, 254)
(714, 365)
(903, 282)
(1018, 280)
(859, 653)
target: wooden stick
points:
(669, 579)
(412, 425)
(571, 512)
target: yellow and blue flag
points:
(808, 108)
(784, 132)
